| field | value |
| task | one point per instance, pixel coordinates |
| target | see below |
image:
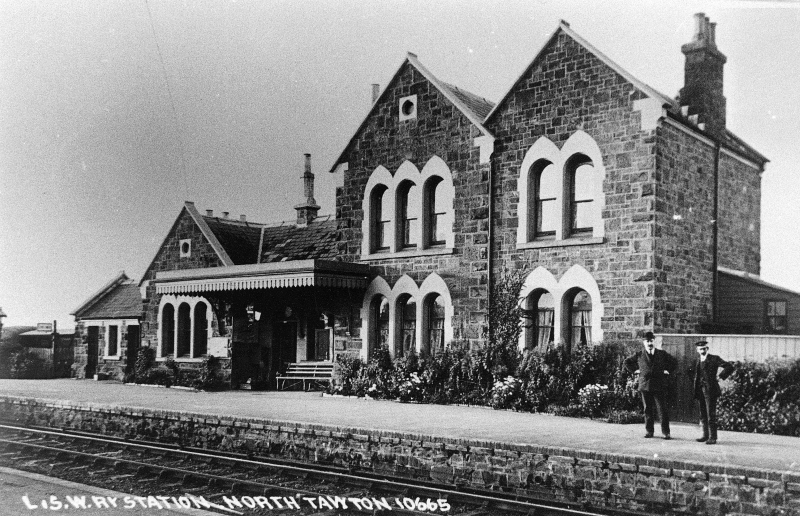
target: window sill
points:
(410, 253)
(542, 244)
(181, 359)
(113, 357)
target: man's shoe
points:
(702, 439)
(648, 436)
(667, 437)
(711, 441)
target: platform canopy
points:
(297, 273)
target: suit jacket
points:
(705, 374)
(651, 369)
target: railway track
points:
(163, 475)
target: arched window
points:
(380, 337)
(545, 207)
(580, 318)
(407, 308)
(436, 210)
(434, 311)
(581, 188)
(184, 330)
(167, 330)
(381, 220)
(408, 204)
(200, 330)
(541, 306)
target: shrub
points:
(207, 379)
(593, 399)
(144, 362)
(762, 398)
(24, 364)
(506, 393)
(346, 372)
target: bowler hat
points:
(701, 343)
(649, 336)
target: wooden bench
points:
(306, 374)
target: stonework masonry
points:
(440, 129)
(169, 258)
(565, 90)
(593, 480)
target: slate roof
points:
(122, 301)
(239, 239)
(316, 241)
(477, 104)
(278, 242)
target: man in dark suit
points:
(706, 389)
(654, 367)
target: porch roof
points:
(297, 273)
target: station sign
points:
(45, 326)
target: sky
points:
(114, 113)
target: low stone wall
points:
(652, 486)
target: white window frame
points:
(544, 149)
(405, 286)
(576, 277)
(176, 301)
(381, 177)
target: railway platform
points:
(735, 449)
(581, 461)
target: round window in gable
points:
(185, 248)
(408, 108)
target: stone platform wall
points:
(650, 486)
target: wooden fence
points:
(755, 348)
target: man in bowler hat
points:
(654, 367)
(706, 389)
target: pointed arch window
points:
(408, 325)
(381, 219)
(434, 311)
(581, 182)
(408, 203)
(580, 319)
(380, 337)
(436, 210)
(545, 207)
(541, 306)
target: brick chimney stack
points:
(702, 90)
(307, 211)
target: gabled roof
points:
(287, 242)
(239, 239)
(472, 106)
(118, 299)
(563, 27)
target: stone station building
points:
(625, 210)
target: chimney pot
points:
(703, 77)
(699, 26)
(225, 214)
(209, 213)
(243, 218)
(307, 211)
(376, 92)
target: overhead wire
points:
(181, 149)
